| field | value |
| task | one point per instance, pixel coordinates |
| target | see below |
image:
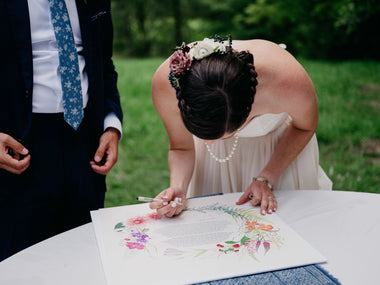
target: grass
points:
(141, 169)
(349, 124)
(348, 131)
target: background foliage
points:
(320, 33)
(348, 131)
(329, 29)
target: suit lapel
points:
(20, 25)
(83, 15)
(84, 23)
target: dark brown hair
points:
(217, 94)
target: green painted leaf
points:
(119, 226)
(244, 239)
(200, 252)
(230, 242)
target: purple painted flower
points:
(173, 252)
(180, 61)
(142, 238)
(136, 235)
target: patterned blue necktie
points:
(68, 64)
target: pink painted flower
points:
(258, 245)
(219, 245)
(180, 61)
(252, 246)
(134, 245)
(153, 216)
(137, 222)
(236, 245)
(266, 246)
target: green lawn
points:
(348, 131)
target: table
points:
(343, 226)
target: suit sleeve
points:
(111, 94)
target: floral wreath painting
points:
(213, 238)
(255, 235)
(136, 231)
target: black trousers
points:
(58, 190)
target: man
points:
(52, 170)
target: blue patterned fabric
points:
(68, 61)
(310, 275)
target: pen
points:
(148, 199)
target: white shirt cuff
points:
(112, 121)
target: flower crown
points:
(183, 57)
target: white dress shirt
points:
(47, 91)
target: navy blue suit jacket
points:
(16, 66)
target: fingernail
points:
(263, 212)
(270, 211)
(24, 151)
(174, 204)
(274, 209)
(165, 203)
(177, 200)
(165, 197)
(97, 158)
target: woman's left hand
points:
(259, 193)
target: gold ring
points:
(271, 198)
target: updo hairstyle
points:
(217, 94)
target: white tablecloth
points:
(343, 226)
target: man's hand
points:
(106, 154)
(14, 157)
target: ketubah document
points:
(212, 239)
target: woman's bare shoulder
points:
(254, 45)
(282, 82)
(272, 61)
(162, 91)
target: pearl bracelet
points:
(262, 179)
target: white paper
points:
(212, 239)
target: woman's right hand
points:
(173, 202)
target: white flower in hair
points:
(181, 60)
(205, 48)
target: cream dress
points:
(257, 141)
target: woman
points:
(240, 116)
